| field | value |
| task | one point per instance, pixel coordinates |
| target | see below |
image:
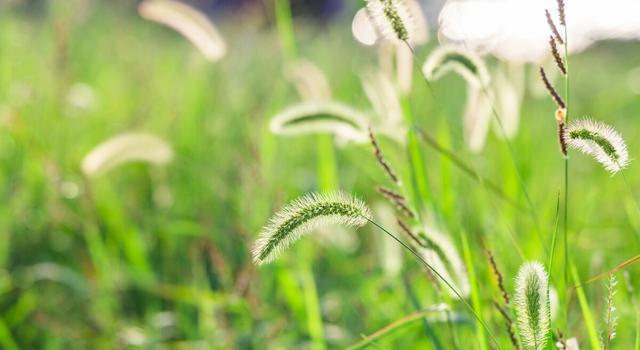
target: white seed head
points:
(186, 20)
(600, 141)
(453, 58)
(532, 305)
(391, 18)
(126, 147)
(309, 80)
(304, 215)
(312, 117)
(477, 118)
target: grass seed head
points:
(532, 307)
(556, 56)
(449, 58)
(313, 117)
(553, 28)
(391, 18)
(552, 90)
(600, 141)
(305, 215)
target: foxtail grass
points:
(303, 216)
(600, 141)
(532, 306)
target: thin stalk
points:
(635, 200)
(444, 280)
(475, 293)
(566, 173)
(369, 339)
(554, 238)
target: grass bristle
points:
(304, 215)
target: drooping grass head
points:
(305, 215)
(600, 141)
(391, 18)
(532, 307)
(448, 58)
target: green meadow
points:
(159, 256)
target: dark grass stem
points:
(437, 274)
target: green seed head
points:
(532, 306)
(304, 215)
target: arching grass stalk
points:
(439, 276)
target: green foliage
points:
(159, 257)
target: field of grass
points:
(160, 256)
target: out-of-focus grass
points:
(101, 264)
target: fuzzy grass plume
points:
(450, 58)
(600, 141)
(532, 305)
(124, 148)
(191, 23)
(304, 215)
(391, 18)
(312, 117)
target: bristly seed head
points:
(553, 28)
(391, 18)
(561, 13)
(556, 56)
(377, 152)
(304, 215)
(600, 141)
(532, 307)
(561, 140)
(552, 91)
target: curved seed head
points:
(312, 117)
(532, 305)
(305, 215)
(191, 23)
(124, 148)
(450, 58)
(391, 18)
(600, 141)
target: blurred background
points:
(137, 167)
